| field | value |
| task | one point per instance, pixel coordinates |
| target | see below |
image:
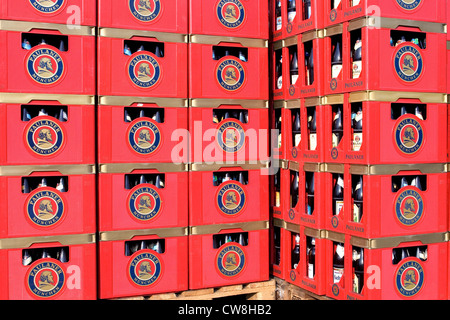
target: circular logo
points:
(409, 4)
(335, 222)
(409, 207)
(230, 74)
(47, 6)
(409, 277)
(333, 84)
(231, 198)
(145, 10)
(230, 260)
(333, 15)
(144, 70)
(231, 13)
(409, 136)
(294, 153)
(45, 207)
(144, 136)
(291, 214)
(144, 268)
(335, 290)
(144, 203)
(230, 136)
(45, 65)
(289, 27)
(334, 153)
(293, 275)
(408, 63)
(44, 136)
(45, 278)
(291, 90)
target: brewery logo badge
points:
(144, 268)
(46, 278)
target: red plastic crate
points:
(71, 12)
(292, 138)
(145, 139)
(278, 251)
(291, 200)
(144, 73)
(146, 271)
(404, 67)
(333, 73)
(237, 18)
(45, 67)
(388, 136)
(230, 201)
(292, 241)
(412, 278)
(429, 11)
(228, 130)
(231, 263)
(396, 207)
(47, 139)
(49, 278)
(229, 77)
(312, 275)
(46, 210)
(155, 15)
(309, 83)
(125, 206)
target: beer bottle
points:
(292, 11)
(26, 116)
(338, 195)
(63, 256)
(141, 48)
(418, 113)
(279, 21)
(42, 112)
(26, 258)
(294, 189)
(312, 130)
(294, 68)
(279, 70)
(26, 186)
(338, 262)
(62, 46)
(159, 183)
(422, 253)
(62, 115)
(336, 62)
(277, 245)
(242, 56)
(306, 9)
(416, 183)
(278, 123)
(295, 256)
(355, 2)
(296, 132)
(157, 117)
(310, 195)
(277, 189)
(127, 117)
(158, 52)
(242, 118)
(43, 42)
(26, 44)
(358, 200)
(45, 254)
(357, 125)
(127, 50)
(242, 241)
(310, 68)
(60, 186)
(312, 259)
(357, 58)
(43, 183)
(358, 269)
(142, 179)
(337, 131)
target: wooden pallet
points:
(288, 291)
(252, 291)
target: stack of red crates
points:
(228, 124)
(142, 88)
(365, 140)
(47, 152)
